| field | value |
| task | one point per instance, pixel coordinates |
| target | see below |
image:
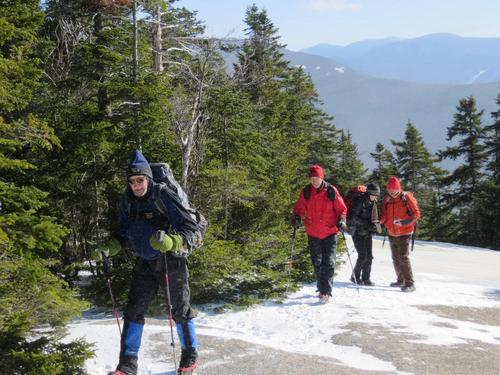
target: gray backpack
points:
(163, 176)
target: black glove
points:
(295, 221)
(342, 225)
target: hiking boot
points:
(368, 283)
(324, 298)
(188, 361)
(396, 284)
(355, 281)
(127, 366)
(408, 289)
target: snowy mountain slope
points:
(435, 58)
(454, 314)
(377, 110)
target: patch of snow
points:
(475, 77)
(445, 274)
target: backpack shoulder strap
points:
(404, 199)
(160, 206)
(307, 191)
(330, 191)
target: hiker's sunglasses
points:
(137, 180)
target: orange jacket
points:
(402, 210)
(319, 213)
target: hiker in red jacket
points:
(322, 209)
(400, 213)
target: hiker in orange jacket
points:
(400, 213)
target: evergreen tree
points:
(491, 195)
(228, 177)
(260, 61)
(30, 294)
(285, 101)
(463, 184)
(348, 169)
(416, 167)
(415, 163)
(385, 165)
(104, 100)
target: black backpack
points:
(330, 192)
(165, 180)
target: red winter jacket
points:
(319, 213)
(396, 209)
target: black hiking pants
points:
(363, 267)
(148, 276)
(323, 252)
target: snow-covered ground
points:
(445, 274)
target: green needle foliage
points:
(31, 295)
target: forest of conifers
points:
(83, 83)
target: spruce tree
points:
(463, 184)
(491, 195)
(385, 165)
(416, 167)
(104, 100)
(415, 163)
(228, 179)
(31, 296)
(348, 169)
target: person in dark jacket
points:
(140, 221)
(362, 222)
(323, 211)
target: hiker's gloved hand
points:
(165, 242)
(295, 221)
(401, 222)
(342, 225)
(108, 248)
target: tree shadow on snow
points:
(378, 287)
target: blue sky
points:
(303, 23)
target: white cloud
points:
(333, 5)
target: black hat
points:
(373, 189)
(138, 165)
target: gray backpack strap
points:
(160, 206)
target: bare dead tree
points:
(193, 62)
(188, 109)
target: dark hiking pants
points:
(363, 267)
(400, 249)
(148, 276)
(323, 253)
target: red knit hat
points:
(393, 184)
(316, 171)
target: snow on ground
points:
(445, 274)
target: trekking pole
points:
(290, 259)
(105, 266)
(159, 237)
(350, 262)
(414, 235)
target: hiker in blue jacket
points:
(140, 219)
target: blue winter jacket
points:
(139, 218)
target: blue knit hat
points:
(138, 165)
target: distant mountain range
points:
(377, 110)
(434, 58)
